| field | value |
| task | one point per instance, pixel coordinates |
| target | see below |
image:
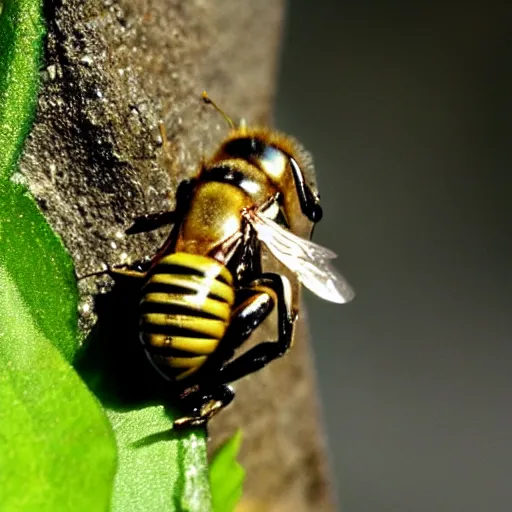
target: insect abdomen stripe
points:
(170, 302)
(185, 309)
(194, 284)
(203, 327)
(182, 343)
(181, 263)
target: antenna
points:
(208, 101)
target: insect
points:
(205, 292)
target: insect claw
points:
(207, 412)
(189, 421)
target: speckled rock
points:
(113, 71)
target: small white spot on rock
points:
(151, 191)
(52, 71)
(87, 60)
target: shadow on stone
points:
(112, 361)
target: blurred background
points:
(407, 110)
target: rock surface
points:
(113, 70)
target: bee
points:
(204, 292)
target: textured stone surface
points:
(94, 160)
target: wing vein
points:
(308, 260)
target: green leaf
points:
(39, 265)
(28, 249)
(21, 33)
(159, 469)
(56, 448)
(227, 475)
(57, 451)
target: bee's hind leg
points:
(277, 288)
(257, 301)
(212, 394)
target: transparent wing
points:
(309, 261)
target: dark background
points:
(407, 110)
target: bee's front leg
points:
(154, 221)
(151, 221)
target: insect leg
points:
(309, 204)
(278, 288)
(126, 272)
(116, 271)
(153, 221)
(202, 405)
(211, 394)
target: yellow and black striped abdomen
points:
(185, 310)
